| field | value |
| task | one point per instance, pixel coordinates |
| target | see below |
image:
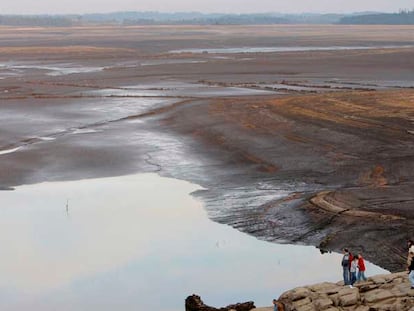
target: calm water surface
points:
(138, 242)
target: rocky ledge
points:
(389, 292)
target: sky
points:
(207, 6)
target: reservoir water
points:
(138, 242)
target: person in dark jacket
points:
(410, 246)
(411, 274)
(346, 262)
(275, 306)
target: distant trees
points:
(404, 17)
(159, 18)
(231, 19)
(36, 20)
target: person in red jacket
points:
(361, 268)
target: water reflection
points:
(140, 242)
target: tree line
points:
(404, 17)
(36, 20)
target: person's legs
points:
(411, 278)
(353, 278)
(346, 275)
(363, 275)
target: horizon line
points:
(208, 13)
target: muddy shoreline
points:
(358, 161)
(246, 126)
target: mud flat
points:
(356, 145)
(92, 102)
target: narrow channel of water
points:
(138, 242)
(278, 49)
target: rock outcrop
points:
(389, 292)
(194, 303)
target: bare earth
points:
(312, 147)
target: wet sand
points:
(106, 101)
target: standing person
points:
(353, 270)
(345, 266)
(275, 308)
(278, 306)
(361, 268)
(411, 274)
(410, 245)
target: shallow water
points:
(141, 242)
(53, 69)
(7, 151)
(172, 62)
(284, 49)
(180, 89)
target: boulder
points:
(388, 292)
(377, 295)
(194, 303)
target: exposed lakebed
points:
(77, 112)
(140, 241)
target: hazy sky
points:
(221, 6)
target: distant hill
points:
(402, 18)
